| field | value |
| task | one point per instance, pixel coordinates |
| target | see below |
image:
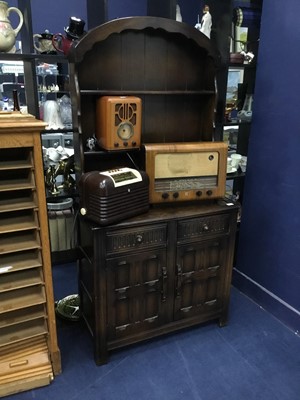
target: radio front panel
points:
(186, 171)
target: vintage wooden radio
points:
(118, 122)
(108, 197)
(186, 171)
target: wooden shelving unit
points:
(171, 267)
(29, 352)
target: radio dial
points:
(165, 195)
(199, 193)
(125, 130)
(209, 192)
(175, 195)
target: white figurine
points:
(206, 22)
(178, 13)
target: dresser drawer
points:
(200, 227)
(136, 238)
(25, 359)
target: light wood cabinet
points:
(29, 351)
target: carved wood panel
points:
(137, 291)
(199, 273)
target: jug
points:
(73, 32)
(43, 43)
(61, 43)
(7, 33)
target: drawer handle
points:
(186, 309)
(151, 319)
(18, 363)
(164, 283)
(179, 280)
(139, 239)
(211, 302)
(122, 327)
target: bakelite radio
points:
(118, 122)
(108, 197)
(186, 171)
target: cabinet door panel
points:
(200, 271)
(137, 292)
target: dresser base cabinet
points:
(29, 353)
(167, 269)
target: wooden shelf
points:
(14, 165)
(26, 330)
(17, 243)
(17, 184)
(18, 316)
(20, 279)
(15, 204)
(21, 298)
(123, 92)
(49, 58)
(19, 223)
(20, 261)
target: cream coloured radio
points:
(186, 171)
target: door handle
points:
(164, 284)
(179, 280)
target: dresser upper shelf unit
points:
(169, 65)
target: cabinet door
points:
(200, 272)
(136, 292)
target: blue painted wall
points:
(126, 8)
(51, 15)
(45, 14)
(268, 262)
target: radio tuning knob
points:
(125, 144)
(175, 195)
(116, 144)
(83, 211)
(133, 143)
(209, 192)
(165, 195)
(199, 193)
(139, 238)
(205, 228)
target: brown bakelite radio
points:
(118, 122)
(111, 196)
(186, 171)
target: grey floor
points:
(253, 357)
